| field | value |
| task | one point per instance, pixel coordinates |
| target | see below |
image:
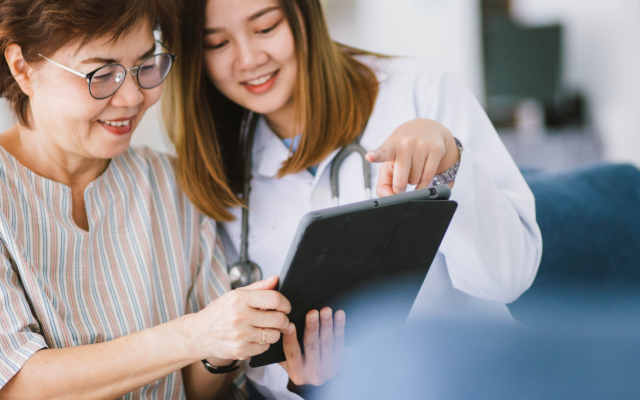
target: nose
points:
(249, 55)
(129, 95)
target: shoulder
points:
(415, 82)
(13, 179)
(143, 163)
(154, 161)
(155, 173)
(405, 71)
(422, 84)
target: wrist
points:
(451, 156)
(189, 335)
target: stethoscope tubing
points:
(250, 123)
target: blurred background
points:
(559, 78)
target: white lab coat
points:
(491, 252)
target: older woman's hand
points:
(231, 327)
(414, 153)
(323, 348)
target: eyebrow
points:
(106, 61)
(209, 31)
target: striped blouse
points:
(149, 257)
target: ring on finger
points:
(264, 337)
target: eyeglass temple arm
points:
(161, 44)
(80, 74)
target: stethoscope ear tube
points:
(336, 164)
(251, 121)
(245, 272)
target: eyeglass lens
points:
(154, 70)
(108, 79)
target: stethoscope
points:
(245, 272)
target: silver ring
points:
(264, 337)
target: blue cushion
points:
(590, 223)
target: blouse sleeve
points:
(19, 338)
(212, 280)
(493, 246)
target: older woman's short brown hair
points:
(44, 26)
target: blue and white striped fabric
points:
(149, 257)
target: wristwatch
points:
(449, 175)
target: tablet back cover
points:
(347, 261)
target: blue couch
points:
(590, 223)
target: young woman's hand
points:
(231, 327)
(323, 348)
(414, 153)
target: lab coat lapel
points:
(270, 153)
(273, 152)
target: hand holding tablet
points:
(343, 257)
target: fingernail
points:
(340, 316)
(290, 329)
(326, 315)
(313, 317)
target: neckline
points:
(35, 176)
(56, 195)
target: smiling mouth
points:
(126, 122)
(261, 80)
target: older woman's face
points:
(63, 109)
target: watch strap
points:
(449, 175)
(221, 370)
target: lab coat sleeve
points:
(493, 246)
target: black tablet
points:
(342, 256)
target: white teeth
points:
(117, 123)
(260, 81)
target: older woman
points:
(111, 282)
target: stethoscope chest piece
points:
(244, 273)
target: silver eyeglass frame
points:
(134, 71)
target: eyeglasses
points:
(105, 81)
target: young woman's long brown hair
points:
(334, 98)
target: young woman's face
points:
(250, 53)
(64, 110)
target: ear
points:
(20, 70)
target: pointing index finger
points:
(386, 152)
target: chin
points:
(267, 105)
(108, 150)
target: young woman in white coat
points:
(313, 96)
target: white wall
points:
(444, 30)
(150, 130)
(6, 116)
(602, 58)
